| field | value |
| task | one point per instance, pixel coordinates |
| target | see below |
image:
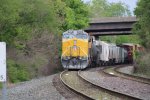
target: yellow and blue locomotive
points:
(75, 49)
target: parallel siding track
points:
(137, 78)
(126, 75)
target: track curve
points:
(71, 88)
(93, 87)
(130, 97)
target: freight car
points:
(104, 53)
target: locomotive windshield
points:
(82, 36)
(72, 34)
(68, 36)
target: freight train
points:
(79, 50)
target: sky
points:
(130, 3)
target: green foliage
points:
(59, 8)
(121, 39)
(102, 8)
(37, 13)
(9, 15)
(118, 9)
(128, 39)
(19, 18)
(76, 14)
(142, 29)
(17, 72)
(142, 64)
(142, 26)
(109, 39)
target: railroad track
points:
(90, 90)
(115, 71)
(72, 88)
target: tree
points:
(20, 17)
(118, 9)
(76, 14)
(142, 26)
(142, 29)
(9, 15)
(102, 8)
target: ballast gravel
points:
(118, 84)
(36, 89)
(127, 70)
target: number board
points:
(2, 62)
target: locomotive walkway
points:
(111, 26)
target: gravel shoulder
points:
(36, 89)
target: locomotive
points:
(75, 49)
(79, 50)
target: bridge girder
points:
(111, 26)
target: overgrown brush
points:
(143, 64)
(17, 72)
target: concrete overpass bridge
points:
(111, 26)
